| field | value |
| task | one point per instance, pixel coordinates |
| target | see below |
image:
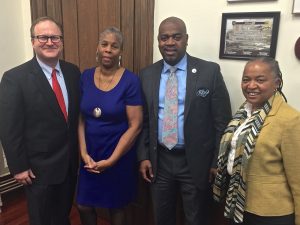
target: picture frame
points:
(248, 0)
(296, 7)
(246, 35)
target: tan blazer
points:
(273, 178)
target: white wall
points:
(203, 21)
(15, 45)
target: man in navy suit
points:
(38, 135)
(203, 112)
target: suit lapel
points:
(155, 90)
(45, 88)
(67, 78)
(277, 102)
(191, 80)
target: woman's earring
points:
(97, 56)
(120, 59)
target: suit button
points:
(154, 148)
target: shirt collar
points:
(248, 108)
(181, 65)
(48, 70)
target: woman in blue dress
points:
(111, 119)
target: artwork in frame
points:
(249, 34)
(248, 0)
(296, 7)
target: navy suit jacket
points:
(33, 131)
(207, 111)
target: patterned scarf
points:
(236, 186)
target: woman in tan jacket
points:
(259, 157)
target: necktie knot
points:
(173, 70)
(53, 74)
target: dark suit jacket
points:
(206, 113)
(33, 131)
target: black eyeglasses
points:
(44, 38)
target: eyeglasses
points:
(44, 38)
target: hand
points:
(90, 164)
(102, 165)
(25, 177)
(146, 170)
(212, 174)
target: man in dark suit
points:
(38, 125)
(202, 113)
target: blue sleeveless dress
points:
(116, 186)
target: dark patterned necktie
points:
(59, 95)
(169, 130)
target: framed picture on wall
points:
(296, 7)
(249, 34)
(248, 0)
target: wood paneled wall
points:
(83, 21)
